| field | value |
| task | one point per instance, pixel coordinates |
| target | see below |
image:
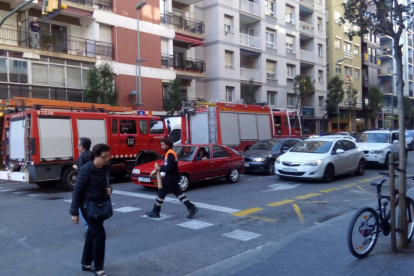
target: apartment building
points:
(261, 45)
(344, 60)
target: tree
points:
(350, 102)
(386, 17)
(375, 99)
(408, 107)
(248, 94)
(174, 99)
(335, 96)
(303, 88)
(100, 85)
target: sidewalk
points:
(319, 250)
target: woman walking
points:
(92, 186)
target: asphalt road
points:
(37, 236)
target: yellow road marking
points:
(378, 177)
(247, 211)
(321, 201)
(262, 218)
(297, 210)
(329, 190)
(365, 180)
(349, 185)
(307, 196)
(274, 204)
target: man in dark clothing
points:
(170, 179)
(34, 33)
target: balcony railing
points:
(308, 3)
(306, 28)
(250, 74)
(103, 4)
(385, 71)
(82, 2)
(387, 90)
(385, 53)
(54, 42)
(185, 64)
(250, 41)
(182, 23)
(348, 54)
(307, 56)
(52, 93)
(250, 7)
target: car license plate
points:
(290, 170)
(246, 164)
(144, 179)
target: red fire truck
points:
(236, 125)
(40, 136)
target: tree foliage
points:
(408, 106)
(174, 99)
(303, 87)
(351, 98)
(100, 86)
(375, 98)
(248, 94)
(335, 95)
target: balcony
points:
(410, 77)
(39, 92)
(410, 43)
(53, 42)
(309, 3)
(82, 2)
(348, 55)
(306, 28)
(386, 90)
(190, 68)
(103, 4)
(307, 56)
(385, 53)
(250, 41)
(250, 7)
(182, 23)
(385, 71)
(250, 74)
(410, 60)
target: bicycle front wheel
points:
(410, 218)
(363, 232)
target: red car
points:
(196, 162)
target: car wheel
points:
(233, 176)
(361, 167)
(270, 168)
(184, 182)
(328, 174)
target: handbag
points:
(99, 210)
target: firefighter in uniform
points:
(170, 179)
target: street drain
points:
(54, 198)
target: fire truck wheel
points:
(184, 182)
(270, 168)
(233, 176)
(68, 180)
(47, 184)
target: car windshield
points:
(408, 134)
(313, 147)
(374, 138)
(184, 153)
(266, 145)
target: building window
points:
(229, 94)
(290, 100)
(320, 50)
(270, 39)
(270, 7)
(228, 23)
(271, 98)
(270, 69)
(347, 47)
(348, 72)
(290, 44)
(290, 71)
(290, 14)
(320, 76)
(357, 73)
(229, 59)
(321, 102)
(337, 43)
(337, 15)
(319, 23)
(356, 50)
(17, 71)
(338, 70)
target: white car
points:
(378, 145)
(321, 158)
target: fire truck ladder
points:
(27, 139)
(212, 125)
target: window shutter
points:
(270, 67)
(229, 58)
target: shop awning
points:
(192, 41)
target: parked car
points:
(378, 145)
(262, 155)
(219, 161)
(409, 139)
(321, 158)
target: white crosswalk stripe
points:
(162, 216)
(127, 209)
(195, 224)
(241, 235)
(7, 190)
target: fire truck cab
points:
(236, 125)
(39, 144)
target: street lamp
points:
(337, 107)
(139, 6)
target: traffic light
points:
(51, 8)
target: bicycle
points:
(367, 223)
